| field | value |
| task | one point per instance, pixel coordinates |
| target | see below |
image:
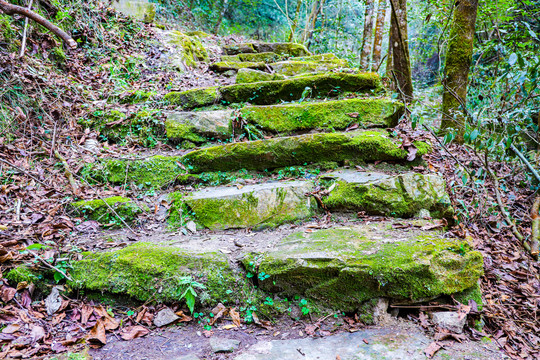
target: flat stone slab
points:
(402, 195)
(389, 343)
(346, 267)
(194, 98)
(366, 146)
(287, 49)
(292, 67)
(100, 210)
(198, 126)
(245, 76)
(262, 205)
(222, 66)
(326, 115)
(257, 57)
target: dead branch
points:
(535, 233)
(10, 9)
(68, 173)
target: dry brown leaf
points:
(235, 315)
(219, 311)
(133, 332)
(7, 293)
(183, 317)
(86, 311)
(97, 337)
(432, 349)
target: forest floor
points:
(34, 190)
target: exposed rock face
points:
(403, 195)
(344, 267)
(264, 205)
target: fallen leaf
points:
(133, 332)
(7, 293)
(432, 349)
(97, 337)
(183, 317)
(235, 317)
(219, 311)
(11, 328)
(86, 311)
(53, 301)
(37, 333)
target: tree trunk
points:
(400, 71)
(314, 22)
(296, 18)
(221, 15)
(458, 62)
(314, 13)
(368, 35)
(10, 9)
(379, 31)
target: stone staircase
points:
(329, 134)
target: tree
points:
(224, 5)
(295, 21)
(399, 69)
(368, 35)
(458, 62)
(379, 32)
(312, 19)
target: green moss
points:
(286, 49)
(292, 68)
(234, 49)
(257, 57)
(198, 33)
(245, 76)
(328, 115)
(23, 273)
(327, 85)
(178, 132)
(194, 98)
(193, 50)
(473, 293)
(297, 150)
(146, 271)
(223, 66)
(345, 267)
(99, 211)
(137, 97)
(153, 172)
(318, 58)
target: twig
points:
(524, 159)
(23, 45)
(49, 265)
(68, 173)
(25, 172)
(535, 229)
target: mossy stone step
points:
(222, 66)
(186, 52)
(199, 126)
(359, 146)
(325, 85)
(319, 58)
(287, 49)
(194, 98)
(147, 271)
(266, 57)
(260, 206)
(293, 68)
(100, 210)
(403, 195)
(345, 267)
(327, 115)
(142, 10)
(247, 75)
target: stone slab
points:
(140, 9)
(198, 126)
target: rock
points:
(245, 76)
(100, 211)
(325, 85)
(402, 195)
(194, 98)
(198, 126)
(53, 301)
(449, 320)
(238, 49)
(366, 145)
(345, 267)
(222, 66)
(198, 33)
(186, 51)
(287, 49)
(319, 58)
(292, 68)
(165, 317)
(261, 205)
(138, 9)
(153, 271)
(223, 345)
(327, 115)
(257, 57)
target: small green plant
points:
(304, 307)
(190, 295)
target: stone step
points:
(273, 92)
(247, 75)
(356, 146)
(327, 115)
(293, 68)
(287, 49)
(267, 57)
(199, 126)
(222, 66)
(100, 210)
(346, 267)
(252, 206)
(403, 195)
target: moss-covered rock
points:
(287, 49)
(199, 126)
(100, 210)
(153, 172)
(293, 68)
(190, 50)
(318, 58)
(257, 57)
(402, 195)
(327, 85)
(246, 76)
(137, 97)
(24, 273)
(373, 145)
(328, 115)
(262, 205)
(194, 98)
(344, 267)
(140, 10)
(234, 49)
(198, 33)
(222, 66)
(147, 271)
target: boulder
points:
(199, 126)
(450, 320)
(186, 51)
(194, 98)
(287, 49)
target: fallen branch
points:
(10, 9)
(23, 45)
(535, 233)
(25, 172)
(68, 173)
(527, 163)
(46, 263)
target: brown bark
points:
(458, 62)
(314, 22)
(312, 18)
(10, 9)
(295, 21)
(368, 35)
(221, 16)
(379, 31)
(400, 71)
